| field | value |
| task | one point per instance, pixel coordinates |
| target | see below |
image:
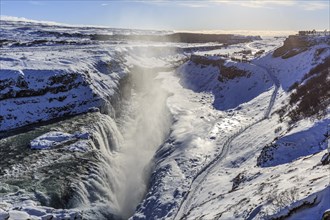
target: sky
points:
(178, 15)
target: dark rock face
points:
(325, 159)
(229, 73)
(34, 95)
(292, 147)
(326, 215)
(238, 180)
(295, 45)
(203, 60)
(30, 96)
(226, 73)
(292, 46)
(60, 82)
(266, 155)
(180, 37)
(310, 97)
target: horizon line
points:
(260, 32)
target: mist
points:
(145, 128)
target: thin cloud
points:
(208, 3)
(189, 4)
(266, 4)
(104, 4)
(193, 5)
(305, 5)
(258, 3)
(313, 6)
(155, 2)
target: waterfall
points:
(125, 146)
(144, 131)
(96, 195)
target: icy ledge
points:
(53, 83)
(28, 209)
(56, 138)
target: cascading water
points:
(144, 131)
(118, 179)
(96, 194)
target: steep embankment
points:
(43, 85)
(228, 88)
(200, 131)
(63, 165)
(205, 170)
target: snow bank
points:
(230, 93)
(52, 83)
(290, 147)
(54, 139)
(28, 209)
(311, 207)
(50, 139)
(80, 146)
(293, 69)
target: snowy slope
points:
(227, 94)
(38, 85)
(293, 69)
(208, 167)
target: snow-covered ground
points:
(208, 167)
(151, 125)
(39, 84)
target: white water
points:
(144, 131)
(96, 195)
(119, 179)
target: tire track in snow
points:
(185, 205)
(277, 86)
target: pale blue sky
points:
(178, 15)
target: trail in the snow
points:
(277, 86)
(186, 204)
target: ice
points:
(50, 140)
(82, 135)
(54, 139)
(34, 211)
(4, 214)
(15, 214)
(80, 146)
